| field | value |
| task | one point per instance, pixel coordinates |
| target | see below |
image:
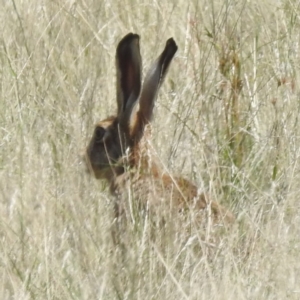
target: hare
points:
(119, 150)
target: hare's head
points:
(120, 134)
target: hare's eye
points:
(99, 133)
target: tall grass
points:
(226, 118)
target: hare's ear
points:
(128, 64)
(142, 113)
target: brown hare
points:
(119, 150)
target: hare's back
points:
(165, 194)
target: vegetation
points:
(226, 118)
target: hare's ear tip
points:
(130, 36)
(171, 43)
(128, 39)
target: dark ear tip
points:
(128, 39)
(171, 44)
(130, 35)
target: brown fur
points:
(119, 152)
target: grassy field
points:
(227, 118)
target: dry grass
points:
(226, 117)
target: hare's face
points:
(116, 135)
(104, 149)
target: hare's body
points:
(118, 150)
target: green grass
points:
(226, 118)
